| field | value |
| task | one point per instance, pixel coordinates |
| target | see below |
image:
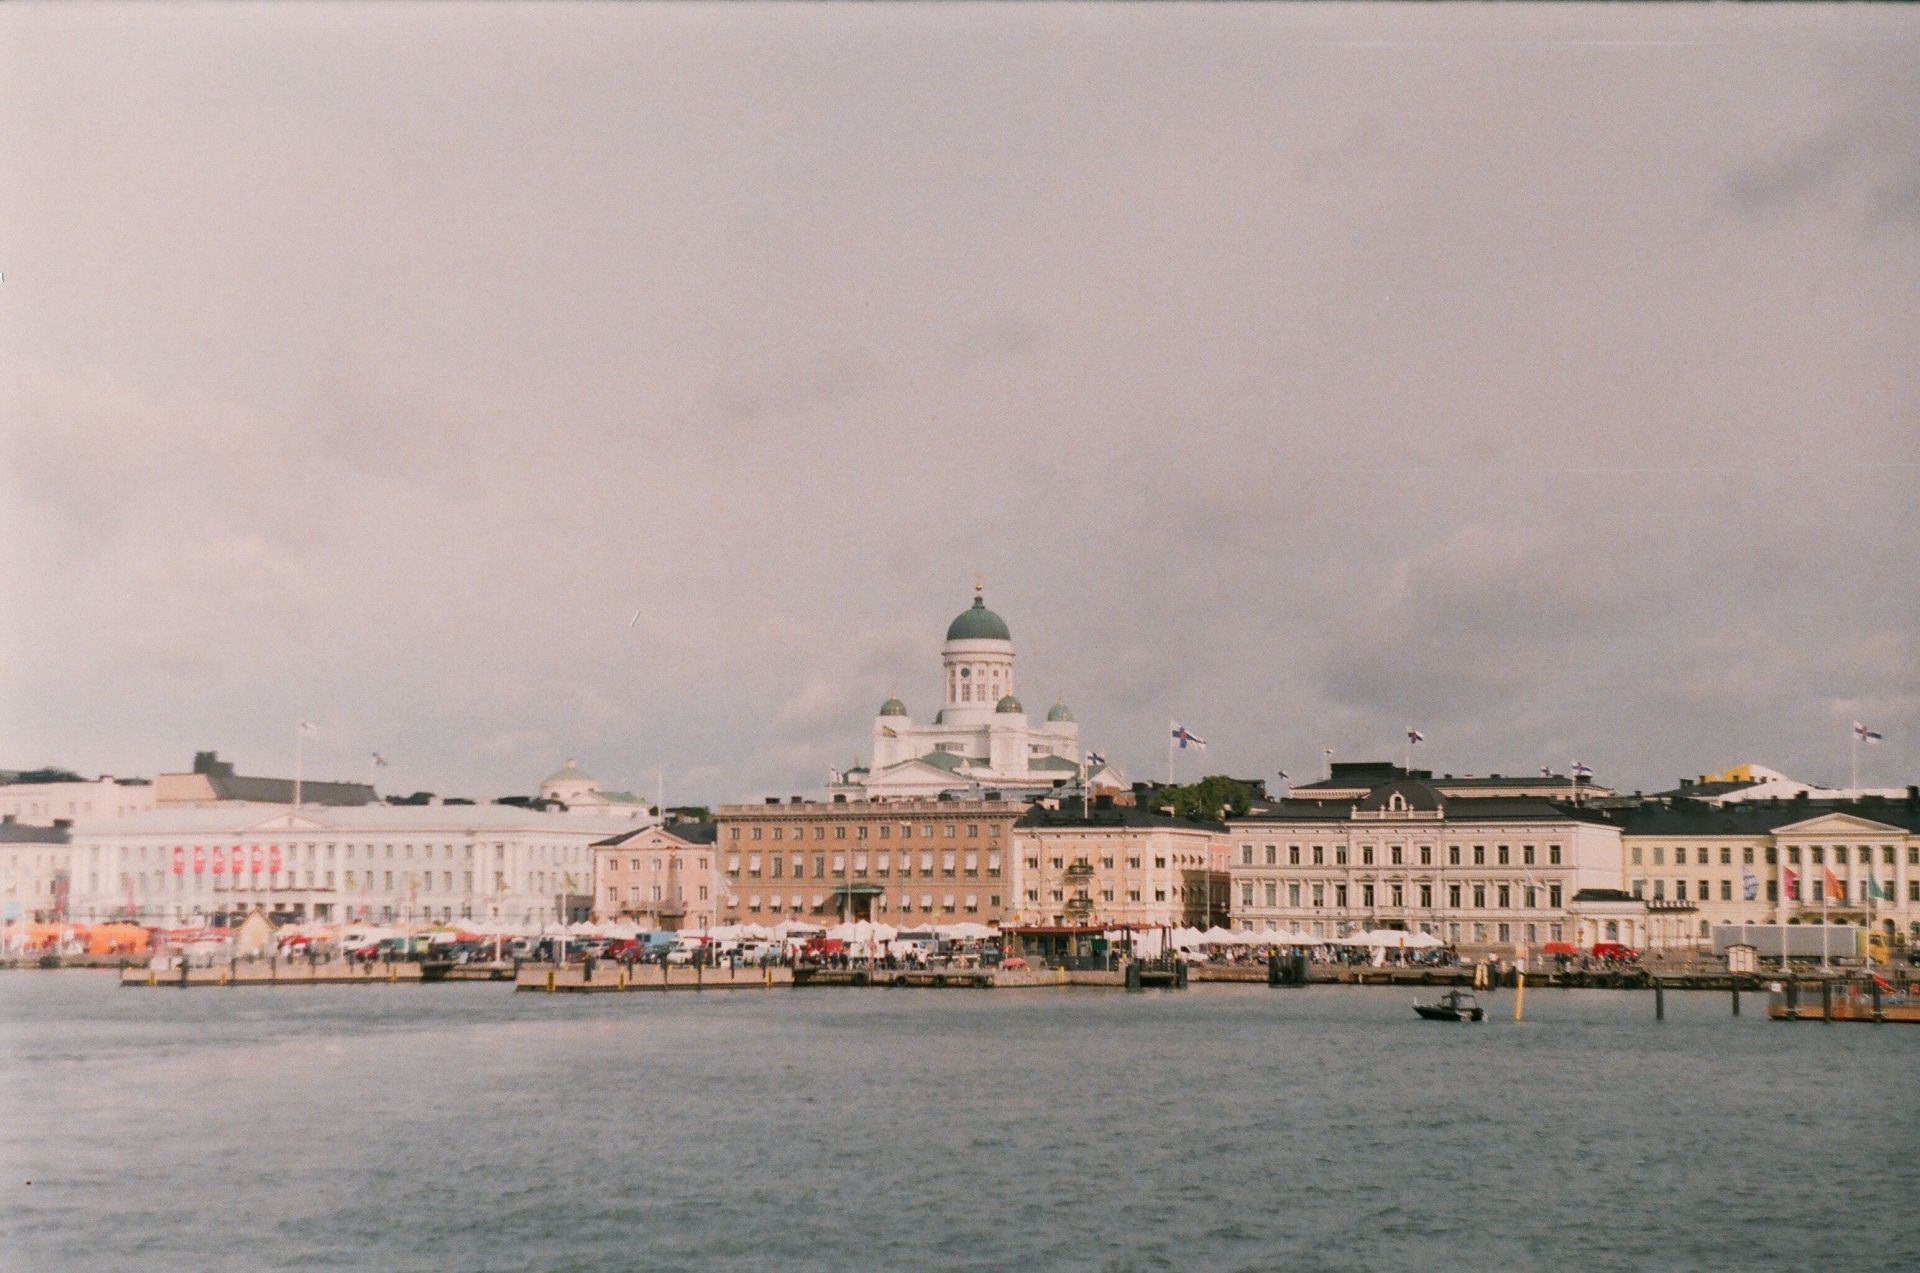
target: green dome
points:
(978, 624)
(1008, 704)
(1059, 712)
(893, 707)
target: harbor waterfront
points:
(1226, 1127)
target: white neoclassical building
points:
(375, 862)
(980, 737)
(580, 792)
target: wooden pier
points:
(268, 973)
(615, 978)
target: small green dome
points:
(1008, 704)
(1059, 712)
(978, 624)
(893, 707)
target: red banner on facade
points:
(199, 859)
(273, 858)
(256, 859)
(179, 859)
(219, 860)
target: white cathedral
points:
(980, 739)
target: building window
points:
(1273, 855)
(1246, 855)
(1479, 855)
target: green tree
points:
(1215, 796)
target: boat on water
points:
(1455, 1005)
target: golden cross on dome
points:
(979, 582)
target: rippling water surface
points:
(469, 1127)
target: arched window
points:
(1397, 802)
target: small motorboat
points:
(1455, 1005)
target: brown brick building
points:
(899, 862)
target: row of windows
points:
(1503, 855)
(1704, 891)
(671, 864)
(798, 903)
(950, 830)
(1458, 896)
(776, 866)
(1816, 855)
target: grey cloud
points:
(1290, 370)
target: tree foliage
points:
(1215, 796)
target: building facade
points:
(1115, 865)
(1697, 865)
(375, 862)
(35, 870)
(901, 862)
(1488, 872)
(663, 878)
(70, 798)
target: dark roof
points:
(1453, 808)
(1110, 815)
(1375, 773)
(228, 785)
(1707, 788)
(1417, 795)
(1363, 773)
(1753, 817)
(685, 832)
(1603, 895)
(19, 833)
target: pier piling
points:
(1826, 1001)
(1659, 999)
(1734, 984)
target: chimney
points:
(59, 824)
(773, 799)
(796, 800)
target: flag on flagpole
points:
(1749, 885)
(1836, 891)
(1792, 883)
(379, 761)
(1876, 892)
(308, 727)
(1095, 760)
(1282, 775)
(1415, 736)
(1187, 738)
(1581, 771)
(1546, 771)
(1866, 735)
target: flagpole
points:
(1170, 730)
(1855, 783)
(299, 756)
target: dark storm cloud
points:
(1542, 377)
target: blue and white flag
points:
(1415, 736)
(1581, 771)
(1095, 760)
(1546, 771)
(1866, 735)
(1187, 738)
(1283, 776)
(1749, 885)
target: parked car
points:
(1615, 951)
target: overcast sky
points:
(1545, 378)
